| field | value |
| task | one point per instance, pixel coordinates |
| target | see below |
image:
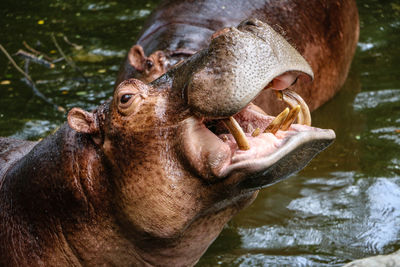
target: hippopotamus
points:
(325, 33)
(150, 177)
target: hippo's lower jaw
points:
(214, 153)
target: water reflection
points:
(376, 99)
(331, 221)
(35, 129)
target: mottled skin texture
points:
(87, 207)
(119, 187)
(324, 32)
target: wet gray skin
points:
(240, 65)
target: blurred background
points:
(343, 206)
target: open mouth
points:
(251, 126)
(252, 134)
(251, 141)
(231, 139)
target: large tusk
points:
(276, 124)
(237, 133)
(294, 112)
(293, 99)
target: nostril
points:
(250, 23)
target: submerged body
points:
(324, 32)
(143, 180)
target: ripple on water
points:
(35, 129)
(334, 220)
(373, 99)
(135, 14)
(365, 46)
(394, 164)
(97, 6)
(387, 133)
(274, 237)
(272, 260)
(323, 197)
(382, 224)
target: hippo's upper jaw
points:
(229, 137)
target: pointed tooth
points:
(293, 99)
(237, 133)
(290, 118)
(256, 132)
(276, 124)
(300, 117)
(304, 114)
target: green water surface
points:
(345, 205)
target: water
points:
(345, 205)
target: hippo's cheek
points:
(152, 194)
(205, 153)
(155, 210)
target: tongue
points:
(283, 81)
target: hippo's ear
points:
(136, 57)
(82, 121)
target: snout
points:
(231, 139)
(238, 65)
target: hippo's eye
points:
(125, 98)
(149, 64)
(129, 96)
(129, 103)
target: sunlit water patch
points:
(333, 220)
(135, 14)
(365, 46)
(271, 260)
(34, 129)
(383, 217)
(373, 99)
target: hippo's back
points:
(188, 24)
(325, 32)
(12, 150)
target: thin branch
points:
(34, 58)
(15, 64)
(43, 97)
(28, 80)
(37, 53)
(26, 66)
(67, 59)
(58, 60)
(77, 47)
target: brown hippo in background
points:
(142, 180)
(325, 32)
